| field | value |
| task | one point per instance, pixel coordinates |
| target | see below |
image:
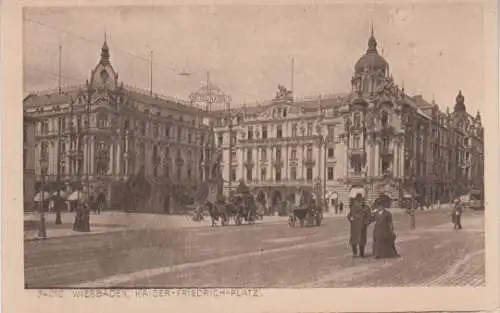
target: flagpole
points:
(60, 67)
(151, 73)
(293, 77)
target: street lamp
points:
(42, 231)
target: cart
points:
(305, 214)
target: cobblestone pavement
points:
(262, 255)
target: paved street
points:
(262, 255)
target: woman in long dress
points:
(383, 235)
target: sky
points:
(433, 49)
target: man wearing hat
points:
(359, 219)
(456, 214)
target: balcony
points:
(277, 163)
(386, 152)
(309, 161)
(248, 163)
(356, 152)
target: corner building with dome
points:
(101, 134)
(376, 139)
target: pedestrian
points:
(336, 208)
(78, 216)
(51, 204)
(359, 219)
(341, 207)
(59, 206)
(456, 215)
(384, 236)
(101, 201)
(411, 210)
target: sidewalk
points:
(114, 221)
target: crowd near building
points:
(374, 139)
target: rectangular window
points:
(309, 153)
(189, 173)
(278, 153)
(233, 174)
(278, 175)
(263, 174)
(220, 139)
(309, 174)
(249, 174)
(250, 133)
(264, 132)
(356, 142)
(294, 130)
(178, 174)
(233, 156)
(293, 154)
(330, 153)
(179, 134)
(293, 173)
(331, 131)
(233, 138)
(309, 129)
(167, 131)
(279, 132)
(330, 173)
(249, 155)
(263, 154)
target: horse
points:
(217, 211)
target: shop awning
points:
(332, 195)
(355, 191)
(41, 195)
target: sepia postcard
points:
(250, 156)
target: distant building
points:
(373, 140)
(28, 163)
(130, 132)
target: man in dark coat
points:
(456, 216)
(341, 207)
(359, 219)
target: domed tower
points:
(460, 103)
(104, 77)
(370, 71)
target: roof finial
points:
(372, 30)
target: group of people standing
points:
(360, 217)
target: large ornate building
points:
(374, 140)
(101, 133)
(28, 162)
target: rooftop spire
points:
(372, 42)
(105, 51)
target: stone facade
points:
(374, 140)
(101, 133)
(28, 163)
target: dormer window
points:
(104, 75)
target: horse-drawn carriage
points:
(240, 208)
(312, 214)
